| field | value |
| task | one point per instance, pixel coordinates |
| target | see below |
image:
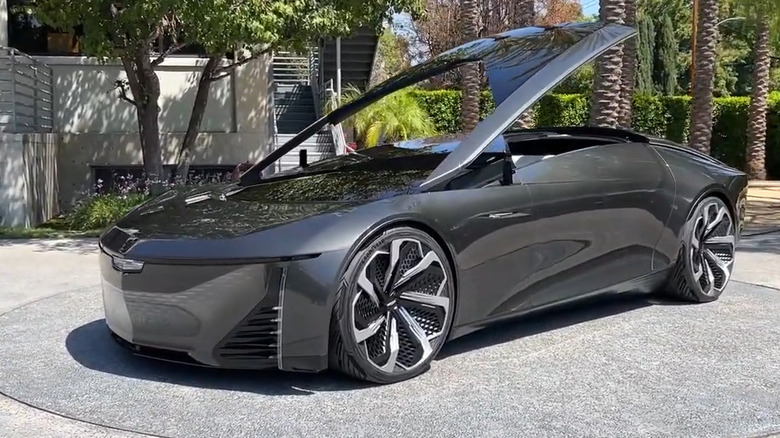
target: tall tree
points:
(527, 17)
(628, 78)
(605, 107)
(469, 26)
(129, 32)
(762, 13)
(704, 74)
(645, 54)
(666, 67)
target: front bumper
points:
(221, 316)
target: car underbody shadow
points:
(550, 319)
(92, 347)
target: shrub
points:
(662, 116)
(100, 211)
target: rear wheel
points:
(394, 308)
(706, 257)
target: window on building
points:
(27, 34)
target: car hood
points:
(227, 210)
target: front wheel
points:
(706, 257)
(394, 308)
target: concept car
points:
(368, 262)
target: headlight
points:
(126, 265)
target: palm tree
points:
(469, 24)
(756, 138)
(704, 75)
(764, 14)
(395, 117)
(628, 79)
(526, 17)
(606, 82)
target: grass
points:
(57, 228)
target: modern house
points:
(62, 127)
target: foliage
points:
(398, 116)
(664, 116)
(645, 54)
(100, 211)
(393, 55)
(130, 31)
(579, 82)
(666, 68)
(441, 28)
(550, 12)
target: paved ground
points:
(763, 212)
(616, 368)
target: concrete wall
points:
(28, 179)
(97, 128)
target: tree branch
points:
(224, 72)
(122, 87)
(171, 50)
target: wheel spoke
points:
(720, 240)
(368, 287)
(361, 335)
(722, 266)
(391, 345)
(695, 241)
(419, 268)
(710, 278)
(426, 299)
(711, 226)
(395, 258)
(416, 333)
(697, 273)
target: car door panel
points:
(495, 255)
(596, 219)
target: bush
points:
(100, 211)
(662, 116)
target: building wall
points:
(28, 179)
(98, 129)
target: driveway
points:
(614, 367)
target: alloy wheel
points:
(712, 245)
(400, 310)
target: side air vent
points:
(254, 342)
(256, 337)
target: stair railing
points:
(329, 102)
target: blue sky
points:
(590, 7)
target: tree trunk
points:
(470, 72)
(701, 103)
(527, 18)
(756, 141)
(184, 156)
(605, 107)
(628, 78)
(145, 86)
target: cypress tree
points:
(666, 62)
(645, 45)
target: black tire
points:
(706, 259)
(420, 308)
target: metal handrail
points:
(336, 131)
(26, 86)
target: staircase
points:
(294, 109)
(299, 88)
(357, 58)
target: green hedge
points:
(663, 116)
